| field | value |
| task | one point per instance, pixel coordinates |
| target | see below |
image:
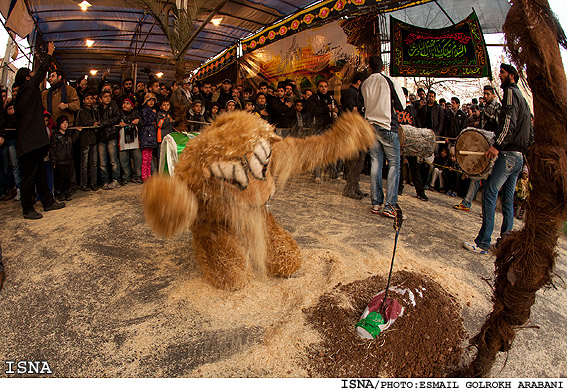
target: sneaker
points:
(114, 185)
(461, 207)
(361, 193)
(454, 194)
(54, 206)
(123, 182)
(94, 187)
(85, 188)
(137, 180)
(389, 212)
(68, 196)
(422, 197)
(474, 248)
(18, 195)
(106, 186)
(33, 215)
(376, 209)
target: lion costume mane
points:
(221, 185)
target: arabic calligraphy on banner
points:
(456, 51)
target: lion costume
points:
(222, 182)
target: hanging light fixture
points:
(85, 5)
(159, 74)
(216, 21)
(89, 42)
(93, 72)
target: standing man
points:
(60, 99)
(488, 121)
(512, 141)
(432, 114)
(351, 100)
(322, 109)
(382, 97)
(33, 141)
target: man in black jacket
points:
(352, 100)
(432, 114)
(33, 140)
(281, 110)
(512, 141)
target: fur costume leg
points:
(220, 256)
(284, 256)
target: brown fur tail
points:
(344, 140)
(169, 206)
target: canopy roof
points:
(125, 34)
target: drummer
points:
(512, 141)
(488, 121)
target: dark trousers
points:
(415, 174)
(62, 178)
(32, 170)
(353, 169)
(89, 161)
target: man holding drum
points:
(512, 141)
(382, 97)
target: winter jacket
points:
(165, 123)
(318, 108)
(195, 117)
(147, 128)
(109, 118)
(72, 100)
(87, 117)
(454, 122)
(514, 123)
(29, 111)
(437, 117)
(131, 130)
(258, 108)
(489, 116)
(61, 147)
(10, 123)
(352, 98)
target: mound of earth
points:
(426, 341)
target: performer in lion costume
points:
(221, 185)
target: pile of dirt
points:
(426, 341)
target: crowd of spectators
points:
(104, 135)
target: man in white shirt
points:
(382, 96)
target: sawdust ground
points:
(90, 289)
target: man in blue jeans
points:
(382, 97)
(513, 138)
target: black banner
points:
(456, 51)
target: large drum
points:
(471, 147)
(416, 141)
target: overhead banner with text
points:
(456, 51)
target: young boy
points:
(164, 125)
(61, 157)
(109, 115)
(88, 118)
(129, 145)
(195, 116)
